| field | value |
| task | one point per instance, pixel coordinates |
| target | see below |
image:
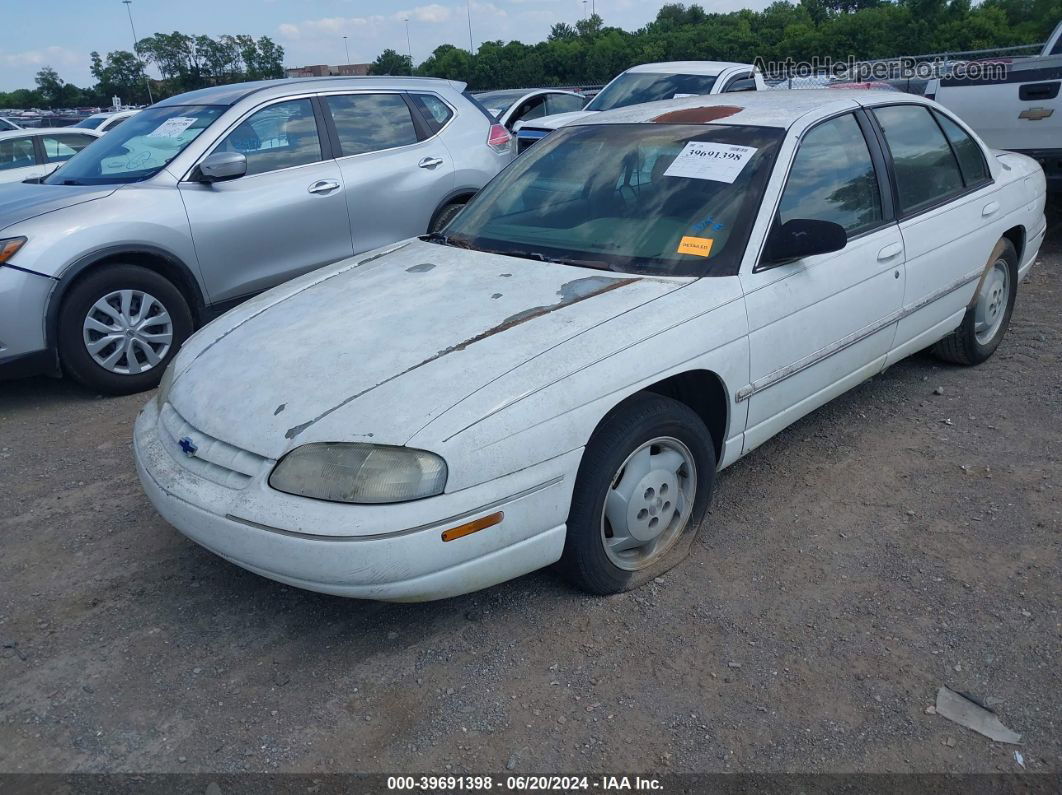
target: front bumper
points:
(403, 566)
(23, 303)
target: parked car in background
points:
(512, 106)
(1020, 110)
(210, 197)
(634, 304)
(6, 125)
(105, 122)
(651, 82)
(27, 154)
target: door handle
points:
(323, 186)
(990, 209)
(889, 251)
(430, 162)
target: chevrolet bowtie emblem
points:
(1036, 114)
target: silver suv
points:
(207, 198)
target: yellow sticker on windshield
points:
(697, 246)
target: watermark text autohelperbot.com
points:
(857, 71)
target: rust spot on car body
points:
(570, 293)
(701, 115)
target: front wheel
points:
(643, 488)
(119, 327)
(986, 321)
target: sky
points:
(62, 33)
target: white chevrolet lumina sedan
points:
(635, 304)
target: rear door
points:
(285, 217)
(396, 169)
(821, 324)
(19, 160)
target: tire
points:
(444, 216)
(133, 368)
(967, 345)
(610, 458)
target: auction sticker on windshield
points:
(171, 128)
(707, 160)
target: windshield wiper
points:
(439, 237)
(537, 255)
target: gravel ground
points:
(893, 541)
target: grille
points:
(214, 460)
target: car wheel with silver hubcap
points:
(648, 503)
(119, 326)
(128, 332)
(988, 315)
(643, 487)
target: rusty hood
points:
(374, 349)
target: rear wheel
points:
(443, 218)
(643, 488)
(986, 321)
(119, 327)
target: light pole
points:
(346, 48)
(136, 49)
(468, 12)
(409, 47)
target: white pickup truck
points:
(650, 82)
(1020, 110)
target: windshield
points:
(634, 88)
(91, 123)
(673, 200)
(139, 148)
(497, 102)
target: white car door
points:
(821, 324)
(947, 204)
(18, 160)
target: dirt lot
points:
(894, 541)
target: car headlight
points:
(9, 247)
(164, 386)
(359, 473)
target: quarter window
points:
(58, 148)
(371, 122)
(833, 178)
(279, 136)
(16, 153)
(925, 168)
(436, 112)
(971, 159)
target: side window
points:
(114, 124)
(58, 148)
(278, 136)
(833, 178)
(564, 103)
(16, 153)
(925, 167)
(435, 111)
(743, 82)
(371, 122)
(971, 158)
(534, 108)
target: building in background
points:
(324, 70)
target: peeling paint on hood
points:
(433, 336)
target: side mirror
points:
(803, 237)
(745, 84)
(221, 166)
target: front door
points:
(821, 324)
(396, 172)
(285, 217)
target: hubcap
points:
(128, 332)
(648, 503)
(992, 303)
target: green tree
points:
(49, 86)
(391, 63)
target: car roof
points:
(778, 108)
(690, 67)
(24, 133)
(269, 89)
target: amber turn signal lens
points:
(468, 528)
(9, 247)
